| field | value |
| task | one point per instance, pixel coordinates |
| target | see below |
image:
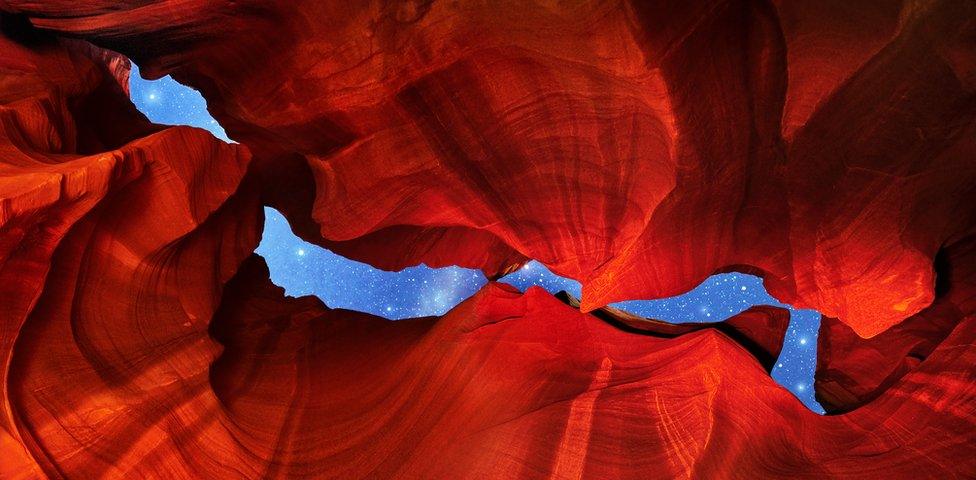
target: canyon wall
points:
(637, 147)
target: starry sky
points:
(305, 269)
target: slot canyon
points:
(635, 148)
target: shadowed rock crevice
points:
(852, 371)
(760, 329)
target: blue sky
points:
(305, 269)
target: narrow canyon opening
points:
(302, 268)
(184, 299)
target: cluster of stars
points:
(305, 269)
(167, 101)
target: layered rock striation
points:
(637, 147)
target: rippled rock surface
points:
(637, 147)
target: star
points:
(421, 291)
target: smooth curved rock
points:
(760, 329)
(90, 193)
(635, 146)
(852, 371)
(523, 386)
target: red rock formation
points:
(760, 329)
(852, 371)
(523, 386)
(524, 127)
(635, 146)
(122, 202)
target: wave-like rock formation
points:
(637, 147)
(761, 329)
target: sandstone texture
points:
(636, 146)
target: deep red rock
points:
(760, 329)
(83, 174)
(635, 146)
(852, 371)
(523, 386)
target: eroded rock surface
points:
(635, 146)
